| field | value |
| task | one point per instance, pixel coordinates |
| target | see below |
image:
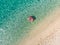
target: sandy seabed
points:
(45, 33)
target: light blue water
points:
(13, 17)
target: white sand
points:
(45, 33)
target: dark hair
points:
(33, 17)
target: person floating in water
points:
(31, 18)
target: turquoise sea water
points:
(13, 17)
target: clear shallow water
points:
(13, 17)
